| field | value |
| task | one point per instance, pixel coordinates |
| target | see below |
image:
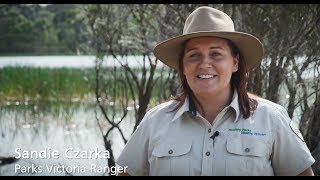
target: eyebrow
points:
(212, 47)
(216, 47)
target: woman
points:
(213, 127)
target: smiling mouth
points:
(206, 76)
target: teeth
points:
(207, 76)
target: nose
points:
(205, 62)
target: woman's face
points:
(208, 65)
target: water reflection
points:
(39, 126)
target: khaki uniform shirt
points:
(176, 143)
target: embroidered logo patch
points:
(246, 131)
(295, 128)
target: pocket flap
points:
(166, 150)
(247, 147)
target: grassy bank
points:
(45, 83)
(62, 84)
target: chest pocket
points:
(247, 147)
(171, 159)
(248, 156)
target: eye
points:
(193, 55)
(215, 55)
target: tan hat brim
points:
(251, 48)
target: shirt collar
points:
(182, 109)
(234, 104)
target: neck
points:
(209, 106)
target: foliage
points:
(37, 29)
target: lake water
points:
(65, 130)
(67, 61)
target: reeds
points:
(63, 84)
(21, 83)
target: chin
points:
(204, 91)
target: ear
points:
(235, 63)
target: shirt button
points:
(246, 150)
(170, 151)
(209, 130)
(207, 153)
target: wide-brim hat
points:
(207, 21)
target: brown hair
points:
(239, 81)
